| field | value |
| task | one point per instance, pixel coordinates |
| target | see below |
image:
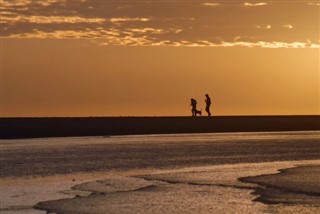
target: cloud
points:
(237, 43)
(17, 18)
(211, 4)
(288, 26)
(147, 30)
(58, 34)
(14, 18)
(154, 30)
(260, 44)
(14, 3)
(24, 3)
(128, 19)
(132, 37)
(159, 23)
(313, 4)
(49, 2)
(114, 36)
(247, 4)
(267, 27)
(264, 44)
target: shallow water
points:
(192, 190)
(178, 173)
(162, 138)
(51, 156)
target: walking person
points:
(194, 108)
(208, 104)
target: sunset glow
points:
(148, 58)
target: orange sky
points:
(148, 58)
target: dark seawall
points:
(11, 128)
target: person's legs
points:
(208, 110)
(194, 113)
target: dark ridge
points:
(12, 128)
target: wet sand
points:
(193, 191)
(188, 190)
(298, 185)
(190, 173)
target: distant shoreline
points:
(15, 128)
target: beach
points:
(171, 173)
(159, 107)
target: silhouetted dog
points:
(198, 112)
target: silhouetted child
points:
(194, 108)
(208, 104)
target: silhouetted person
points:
(194, 108)
(208, 104)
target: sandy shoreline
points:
(214, 188)
(13, 128)
(185, 173)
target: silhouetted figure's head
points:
(193, 102)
